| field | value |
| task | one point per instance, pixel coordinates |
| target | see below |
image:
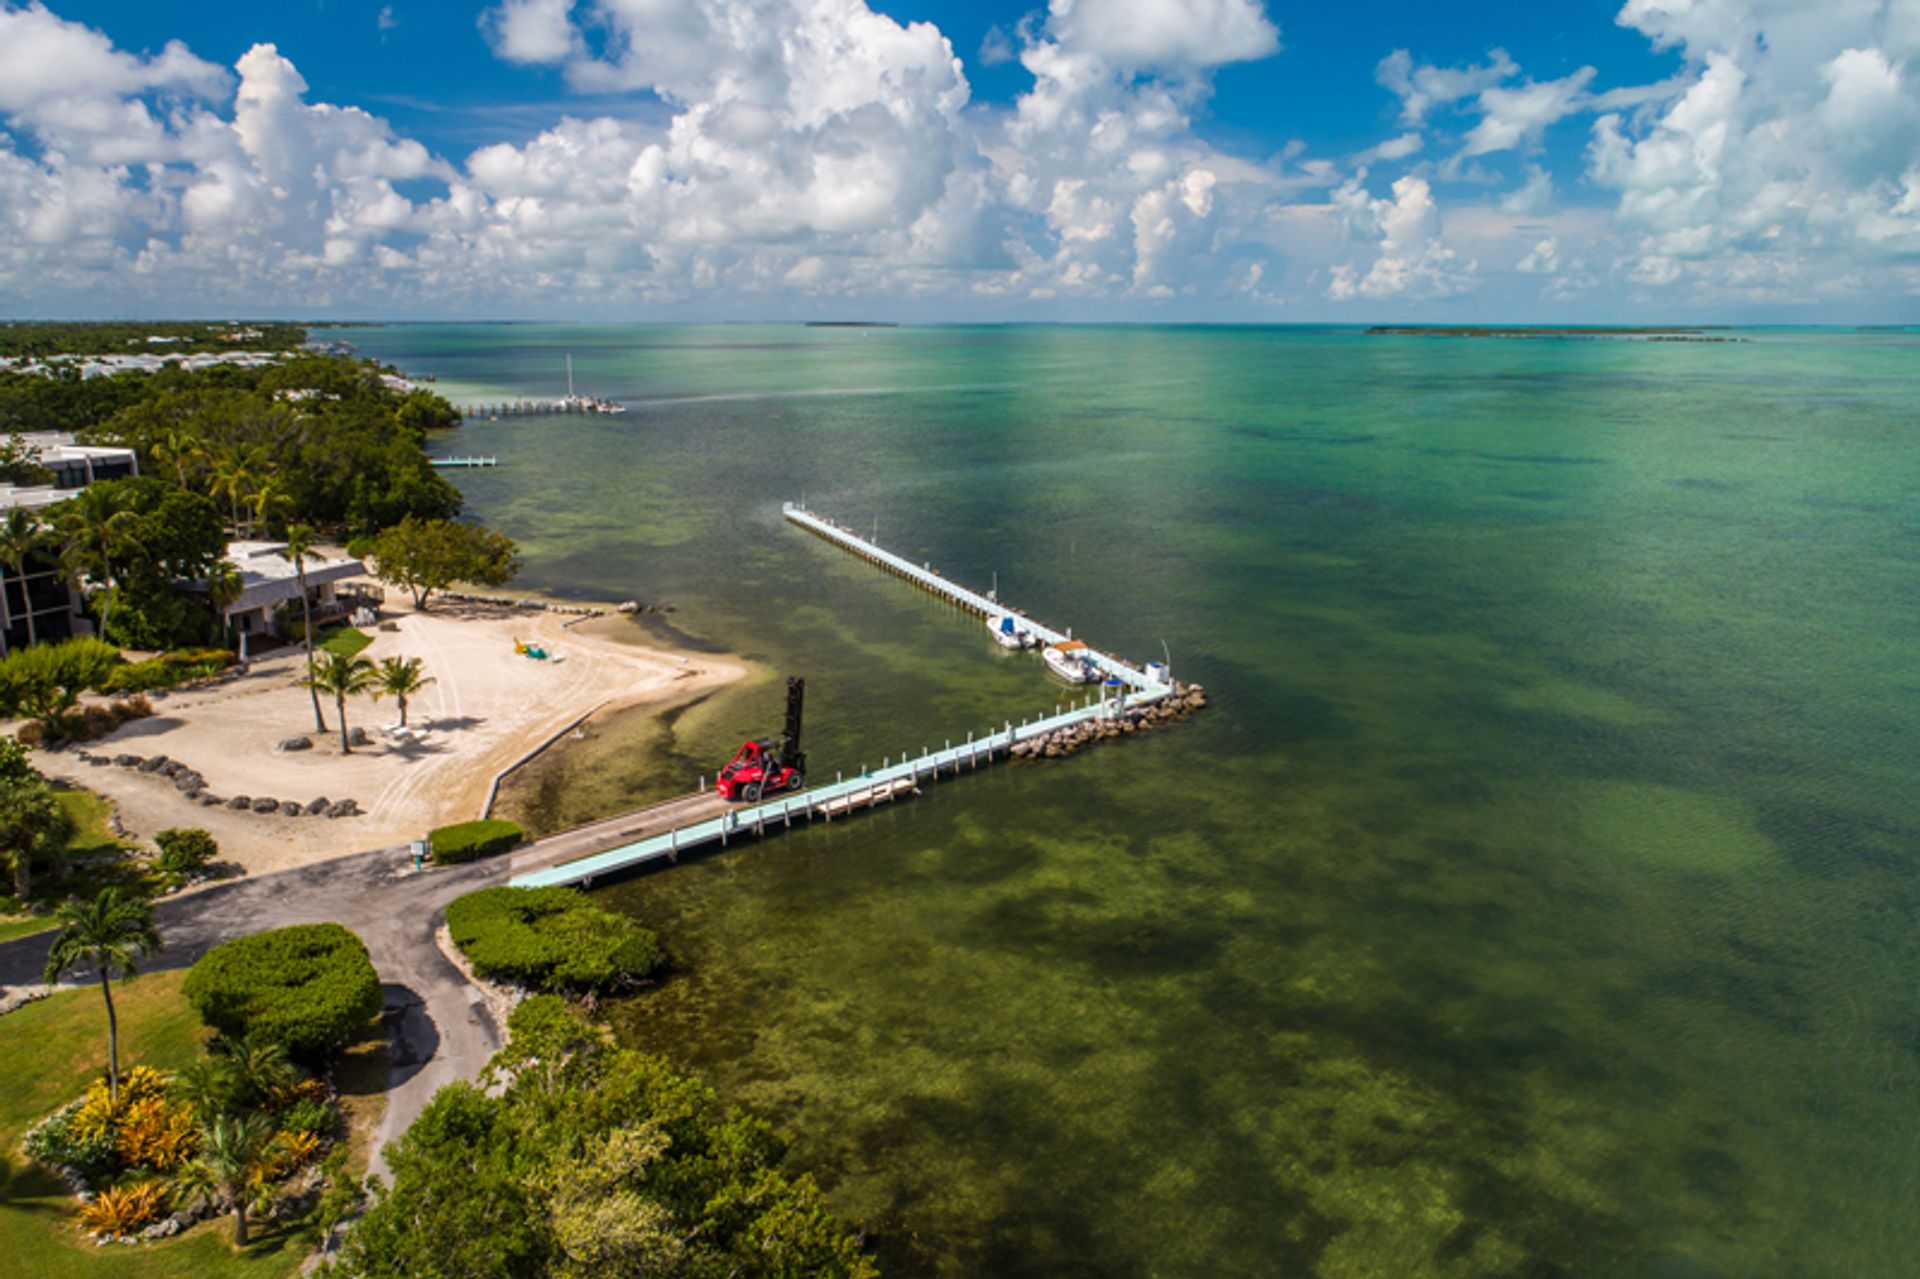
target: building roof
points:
(57, 450)
(269, 579)
(59, 446)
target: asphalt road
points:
(439, 1026)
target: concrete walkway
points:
(584, 841)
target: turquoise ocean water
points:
(1539, 897)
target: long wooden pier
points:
(1132, 687)
(538, 408)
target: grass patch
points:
(53, 1048)
(360, 1075)
(91, 835)
(95, 862)
(12, 926)
(344, 641)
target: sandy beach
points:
(487, 708)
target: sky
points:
(1275, 161)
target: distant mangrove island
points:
(1703, 333)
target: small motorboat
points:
(1070, 660)
(1008, 633)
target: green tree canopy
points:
(424, 556)
(20, 463)
(592, 1160)
(33, 825)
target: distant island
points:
(852, 324)
(1703, 333)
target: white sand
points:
(487, 708)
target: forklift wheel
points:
(795, 782)
(752, 791)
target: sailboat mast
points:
(569, 377)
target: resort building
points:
(36, 600)
(270, 600)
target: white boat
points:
(1070, 661)
(1009, 633)
(584, 403)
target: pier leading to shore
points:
(1129, 698)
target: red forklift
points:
(769, 766)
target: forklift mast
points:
(790, 742)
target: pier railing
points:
(1135, 688)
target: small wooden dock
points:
(455, 463)
(1131, 688)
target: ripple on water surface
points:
(1537, 898)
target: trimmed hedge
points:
(550, 938)
(467, 841)
(310, 987)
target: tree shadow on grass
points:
(27, 1185)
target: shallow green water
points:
(1539, 897)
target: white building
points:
(36, 601)
(336, 588)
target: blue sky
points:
(1588, 160)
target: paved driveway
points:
(441, 1031)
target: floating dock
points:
(458, 462)
(1135, 688)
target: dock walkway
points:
(544, 866)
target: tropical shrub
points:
(184, 852)
(42, 681)
(156, 1133)
(86, 724)
(309, 1116)
(121, 1210)
(168, 670)
(58, 1142)
(291, 1149)
(468, 841)
(101, 1112)
(550, 939)
(309, 987)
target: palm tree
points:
(300, 539)
(259, 1068)
(225, 586)
(400, 678)
(178, 448)
(20, 539)
(110, 932)
(94, 519)
(232, 477)
(234, 1163)
(207, 1084)
(342, 677)
(269, 503)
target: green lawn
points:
(95, 845)
(91, 834)
(345, 641)
(52, 1049)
